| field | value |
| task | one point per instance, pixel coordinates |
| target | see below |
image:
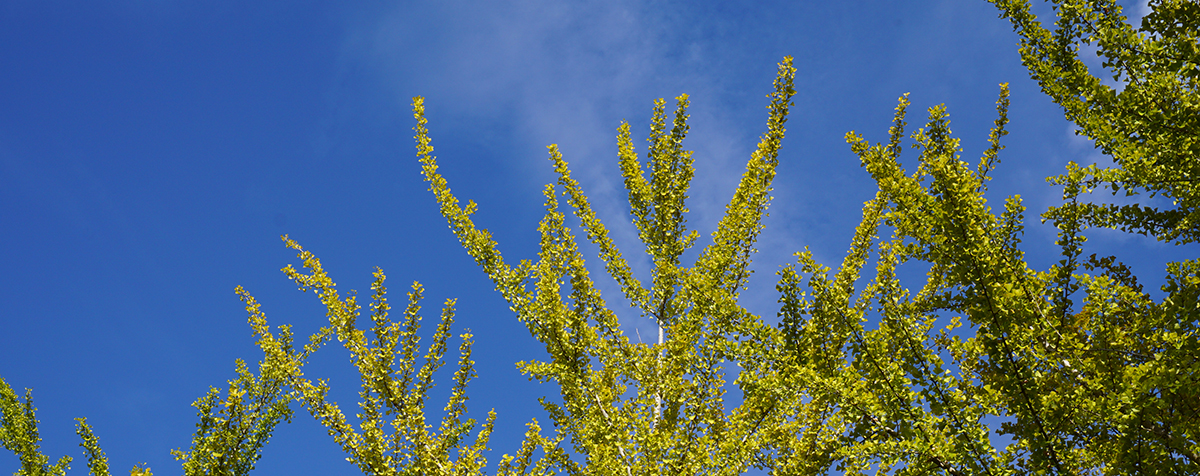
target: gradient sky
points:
(152, 153)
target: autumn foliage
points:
(1076, 367)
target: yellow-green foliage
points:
(234, 428)
(392, 437)
(19, 434)
(629, 408)
(861, 371)
(97, 461)
(1148, 124)
(981, 343)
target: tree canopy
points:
(933, 347)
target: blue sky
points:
(152, 153)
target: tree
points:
(630, 408)
(1107, 388)
(809, 402)
(854, 376)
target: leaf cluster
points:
(1147, 122)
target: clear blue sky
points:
(152, 153)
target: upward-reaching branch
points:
(726, 260)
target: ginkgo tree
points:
(890, 376)
(819, 391)
(933, 347)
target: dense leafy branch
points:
(1148, 124)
